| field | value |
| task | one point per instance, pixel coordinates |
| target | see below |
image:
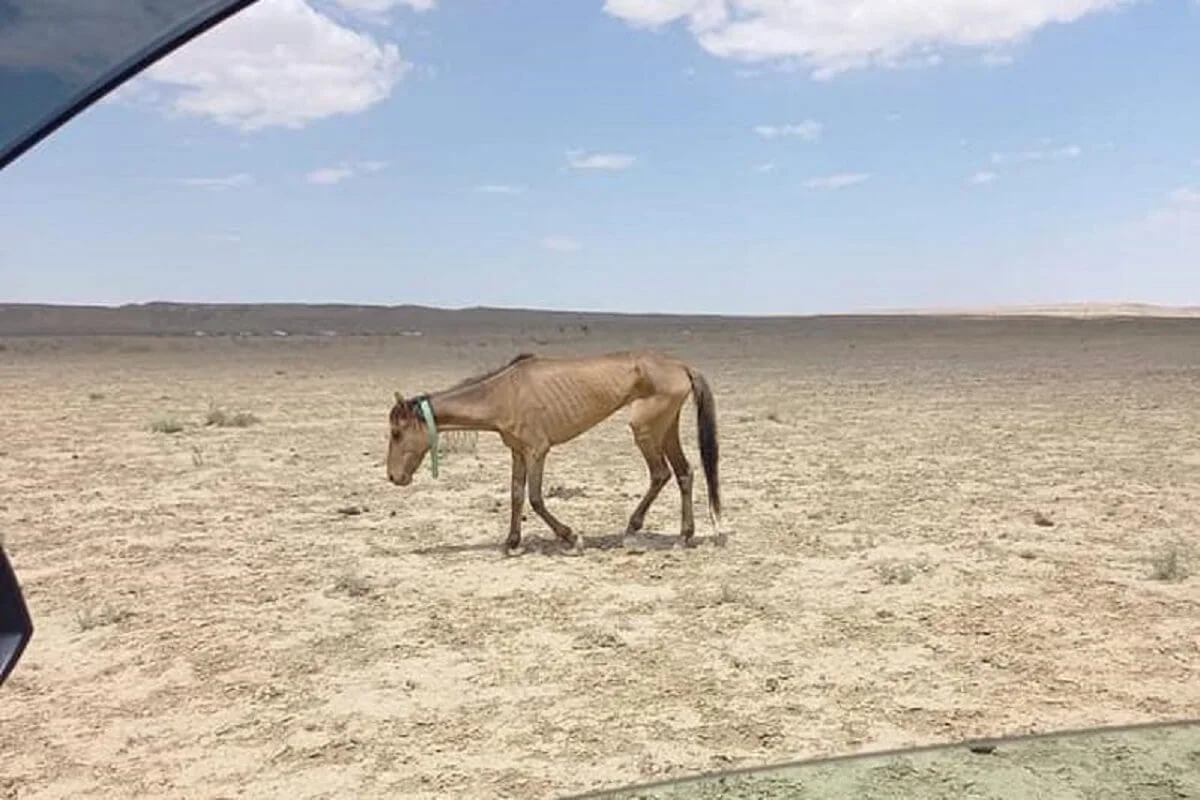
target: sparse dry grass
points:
(900, 571)
(167, 425)
(560, 492)
(105, 614)
(458, 442)
(1172, 562)
(352, 584)
(222, 418)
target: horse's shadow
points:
(643, 542)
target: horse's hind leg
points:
(683, 476)
(648, 433)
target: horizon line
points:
(1096, 308)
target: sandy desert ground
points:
(937, 529)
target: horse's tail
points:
(706, 433)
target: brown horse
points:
(536, 402)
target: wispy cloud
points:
(615, 162)
(234, 181)
(1178, 219)
(1025, 156)
(767, 167)
(499, 188)
(983, 176)
(327, 176)
(1185, 196)
(996, 58)
(838, 180)
(809, 130)
(377, 6)
(560, 244)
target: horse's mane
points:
(483, 376)
(409, 406)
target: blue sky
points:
(729, 156)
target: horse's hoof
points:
(511, 551)
(633, 547)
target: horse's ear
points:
(399, 399)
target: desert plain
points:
(937, 527)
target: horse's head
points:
(408, 441)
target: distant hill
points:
(1065, 310)
(189, 319)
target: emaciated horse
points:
(537, 402)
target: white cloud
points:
(983, 176)
(578, 159)
(381, 6)
(561, 244)
(838, 180)
(996, 58)
(1177, 220)
(833, 36)
(237, 180)
(499, 188)
(1185, 196)
(327, 176)
(767, 167)
(223, 237)
(1070, 151)
(278, 63)
(808, 130)
(1151, 258)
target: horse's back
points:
(574, 393)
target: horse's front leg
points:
(512, 545)
(536, 467)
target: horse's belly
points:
(567, 429)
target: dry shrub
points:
(87, 619)
(166, 425)
(1172, 563)
(453, 442)
(220, 418)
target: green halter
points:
(426, 412)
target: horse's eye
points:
(395, 436)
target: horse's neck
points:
(468, 407)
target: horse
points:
(538, 402)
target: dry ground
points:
(937, 531)
(1156, 761)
